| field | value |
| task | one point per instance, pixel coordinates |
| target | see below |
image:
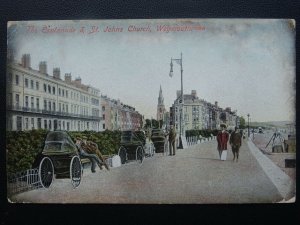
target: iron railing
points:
(51, 112)
(23, 181)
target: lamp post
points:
(179, 61)
(248, 125)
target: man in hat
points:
(222, 139)
(235, 141)
(172, 138)
(92, 148)
(92, 157)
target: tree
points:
(155, 123)
(147, 124)
(242, 122)
(152, 123)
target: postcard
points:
(151, 111)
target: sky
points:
(245, 64)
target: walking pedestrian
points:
(222, 139)
(172, 138)
(235, 141)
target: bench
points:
(87, 160)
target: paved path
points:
(194, 175)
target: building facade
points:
(118, 116)
(200, 114)
(37, 100)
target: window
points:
(19, 123)
(68, 125)
(66, 93)
(88, 125)
(49, 104)
(103, 125)
(54, 106)
(49, 89)
(71, 95)
(103, 116)
(63, 108)
(63, 92)
(32, 84)
(53, 90)
(103, 108)
(39, 123)
(37, 103)
(26, 82)
(50, 125)
(26, 123)
(45, 105)
(59, 91)
(17, 100)
(17, 79)
(67, 108)
(37, 85)
(32, 102)
(32, 123)
(59, 107)
(45, 124)
(26, 101)
(63, 125)
(45, 88)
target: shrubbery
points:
(22, 147)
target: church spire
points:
(160, 97)
(160, 106)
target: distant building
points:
(37, 100)
(118, 116)
(200, 114)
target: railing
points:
(197, 140)
(23, 181)
(51, 112)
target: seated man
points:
(92, 148)
(93, 157)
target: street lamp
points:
(248, 125)
(179, 61)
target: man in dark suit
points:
(172, 138)
(235, 141)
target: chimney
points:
(68, 78)
(43, 67)
(228, 109)
(26, 60)
(194, 93)
(78, 81)
(56, 73)
(216, 104)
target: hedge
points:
(23, 147)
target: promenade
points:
(193, 175)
